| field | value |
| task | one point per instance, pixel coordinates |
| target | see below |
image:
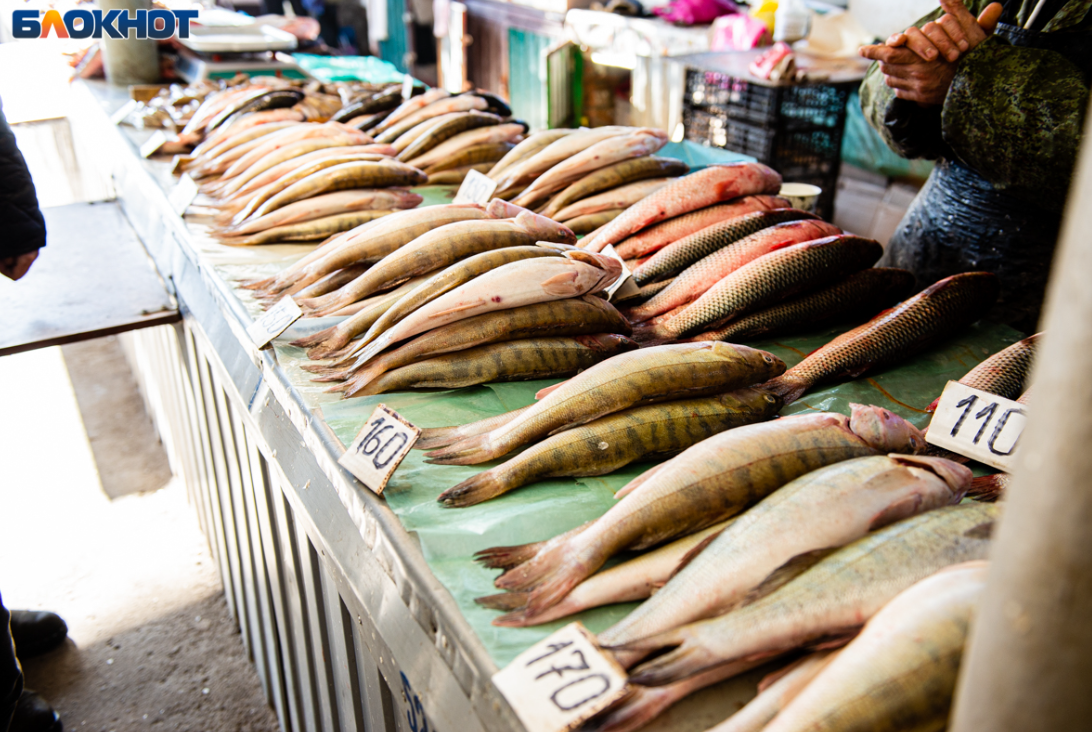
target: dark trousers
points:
(11, 676)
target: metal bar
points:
(316, 619)
(342, 656)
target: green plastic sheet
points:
(369, 69)
(449, 537)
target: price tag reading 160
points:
(379, 448)
(977, 424)
(561, 681)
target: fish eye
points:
(767, 358)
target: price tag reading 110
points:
(561, 681)
(978, 425)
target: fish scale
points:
(676, 257)
(612, 442)
(1005, 372)
(861, 294)
(771, 277)
(934, 313)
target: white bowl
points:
(803, 196)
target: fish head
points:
(884, 430)
(545, 229)
(958, 477)
(609, 267)
(765, 365)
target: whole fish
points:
(491, 135)
(713, 480)
(382, 199)
(287, 168)
(412, 105)
(856, 297)
(529, 147)
(509, 286)
(366, 245)
(651, 374)
(1005, 373)
(935, 313)
(214, 104)
(697, 278)
(312, 230)
(257, 102)
(522, 360)
(324, 343)
(704, 188)
(616, 440)
(226, 133)
(440, 129)
(573, 317)
(679, 255)
(288, 152)
(621, 197)
(900, 672)
(415, 133)
(477, 155)
(332, 281)
(455, 176)
(614, 176)
(439, 248)
(769, 278)
(461, 103)
(582, 225)
(382, 101)
(829, 507)
(558, 151)
(632, 144)
(217, 159)
(649, 241)
(836, 595)
(774, 693)
(629, 581)
(362, 174)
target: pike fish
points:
(483, 154)
(621, 197)
(560, 150)
(856, 297)
(649, 241)
(412, 105)
(311, 230)
(522, 360)
(613, 176)
(900, 672)
(828, 507)
(528, 148)
(362, 174)
(460, 103)
(769, 278)
(834, 596)
(935, 313)
(491, 135)
(708, 186)
(582, 225)
(329, 204)
(712, 481)
(616, 440)
(442, 129)
(678, 256)
(651, 374)
(1005, 373)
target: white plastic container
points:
(792, 21)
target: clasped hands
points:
(920, 63)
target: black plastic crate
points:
(787, 107)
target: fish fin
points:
(784, 574)
(694, 552)
(314, 339)
(897, 511)
(785, 388)
(474, 490)
(457, 308)
(550, 576)
(506, 557)
(549, 389)
(982, 531)
(634, 711)
(562, 285)
(933, 405)
(989, 488)
(504, 601)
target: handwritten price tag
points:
(977, 424)
(407, 87)
(624, 286)
(124, 111)
(379, 448)
(183, 194)
(476, 188)
(561, 681)
(274, 322)
(152, 144)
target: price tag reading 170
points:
(379, 448)
(561, 681)
(978, 425)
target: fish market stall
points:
(361, 611)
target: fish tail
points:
(634, 711)
(989, 488)
(684, 661)
(474, 490)
(786, 388)
(339, 388)
(436, 437)
(506, 557)
(468, 451)
(523, 617)
(257, 284)
(503, 601)
(933, 405)
(315, 339)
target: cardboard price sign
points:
(379, 448)
(407, 87)
(275, 321)
(476, 188)
(561, 681)
(624, 286)
(978, 425)
(153, 143)
(124, 111)
(183, 194)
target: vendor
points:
(996, 94)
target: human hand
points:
(15, 267)
(952, 35)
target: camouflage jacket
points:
(1014, 114)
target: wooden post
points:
(1028, 665)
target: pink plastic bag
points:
(739, 33)
(695, 12)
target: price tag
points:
(124, 111)
(624, 286)
(274, 322)
(476, 188)
(152, 145)
(561, 681)
(183, 194)
(978, 425)
(379, 448)
(407, 87)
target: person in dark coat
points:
(22, 228)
